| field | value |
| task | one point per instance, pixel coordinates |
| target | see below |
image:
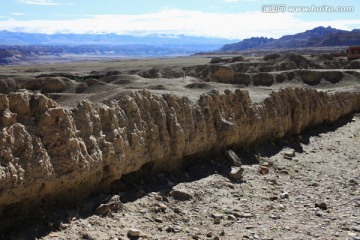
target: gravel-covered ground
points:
(306, 187)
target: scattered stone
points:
(356, 228)
(263, 170)
(209, 234)
(352, 234)
(234, 159)
(103, 209)
(177, 210)
(216, 215)
(236, 173)
(158, 220)
(353, 182)
(64, 226)
(216, 238)
(162, 207)
(177, 229)
(274, 198)
(143, 211)
(318, 214)
(217, 221)
(133, 232)
(275, 217)
(321, 205)
(231, 217)
(181, 195)
(289, 154)
(169, 229)
(314, 184)
(115, 203)
(158, 198)
(272, 181)
(284, 195)
(243, 215)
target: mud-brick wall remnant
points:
(49, 154)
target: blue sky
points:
(233, 19)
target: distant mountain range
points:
(154, 42)
(317, 37)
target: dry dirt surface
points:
(299, 187)
(306, 187)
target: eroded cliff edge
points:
(50, 154)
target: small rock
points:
(284, 195)
(314, 184)
(169, 229)
(216, 215)
(289, 154)
(236, 173)
(209, 234)
(158, 198)
(216, 238)
(177, 229)
(103, 209)
(243, 215)
(217, 220)
(318, 214)
(162, 206)
(222, 233)
(143, 211)
(115, 203)
(133, 232)
(353, 182)
(356, 228)
(273, 216)
(273, 198)
(263, 170)
(321, 205)
(181, 195)
(352, 234)
(64, 226)
(158, 220)
(232, 217)
(177, 210)
(235, 160)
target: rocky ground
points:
(303, 187)
(306, 187)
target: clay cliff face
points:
(49, 154)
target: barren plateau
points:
(202, 147)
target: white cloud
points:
(17, 14)
(173, 21)
(43, 2)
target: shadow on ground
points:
(136, 185)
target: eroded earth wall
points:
(49, 154)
